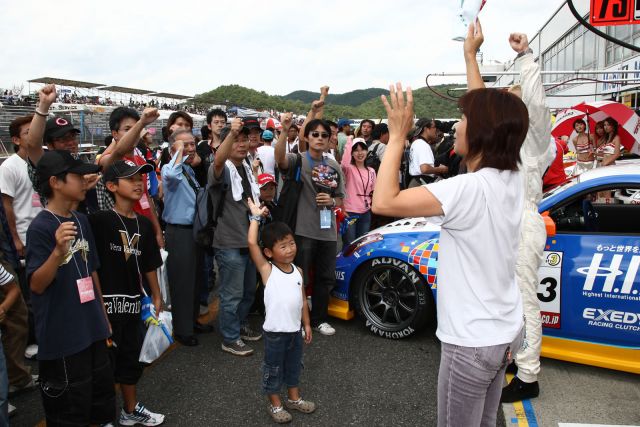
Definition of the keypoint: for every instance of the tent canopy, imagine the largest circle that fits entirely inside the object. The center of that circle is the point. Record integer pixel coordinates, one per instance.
(65, 82)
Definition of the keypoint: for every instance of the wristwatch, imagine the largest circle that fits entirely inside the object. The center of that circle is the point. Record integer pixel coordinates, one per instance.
(524, 52)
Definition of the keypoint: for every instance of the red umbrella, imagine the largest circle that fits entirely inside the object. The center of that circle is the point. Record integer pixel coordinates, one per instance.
(563, 125)
(628, 120)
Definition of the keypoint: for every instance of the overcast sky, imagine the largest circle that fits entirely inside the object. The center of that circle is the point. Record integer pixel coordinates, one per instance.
(277, 46)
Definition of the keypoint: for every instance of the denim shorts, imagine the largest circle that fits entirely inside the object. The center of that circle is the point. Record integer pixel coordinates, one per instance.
(282, 360)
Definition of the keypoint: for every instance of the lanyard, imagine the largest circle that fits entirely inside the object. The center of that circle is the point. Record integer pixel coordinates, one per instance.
(135, 254)
(81, 236)
(364, 194)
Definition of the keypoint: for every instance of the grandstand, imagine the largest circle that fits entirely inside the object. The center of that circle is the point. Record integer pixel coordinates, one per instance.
(89, 106)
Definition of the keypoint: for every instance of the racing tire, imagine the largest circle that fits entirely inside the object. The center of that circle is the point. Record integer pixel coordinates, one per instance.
(392, 297)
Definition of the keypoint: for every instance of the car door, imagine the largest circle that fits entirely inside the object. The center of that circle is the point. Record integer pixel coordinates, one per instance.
(589, 285)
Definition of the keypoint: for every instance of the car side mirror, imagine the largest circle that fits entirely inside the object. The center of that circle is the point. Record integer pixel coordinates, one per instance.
(549, 224)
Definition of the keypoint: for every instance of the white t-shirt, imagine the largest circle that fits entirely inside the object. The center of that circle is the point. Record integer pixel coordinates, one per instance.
(266, 154)
(479, 302)
(419, 154)
(283, 300)
(15, 182)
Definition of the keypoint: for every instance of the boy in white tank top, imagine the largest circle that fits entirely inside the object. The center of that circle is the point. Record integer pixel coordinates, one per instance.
(286, 308)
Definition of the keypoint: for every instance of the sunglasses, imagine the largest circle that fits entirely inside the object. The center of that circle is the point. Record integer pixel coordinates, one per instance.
(317, 134)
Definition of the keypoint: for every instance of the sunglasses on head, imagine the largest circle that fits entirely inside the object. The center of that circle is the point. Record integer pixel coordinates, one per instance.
(317, 134)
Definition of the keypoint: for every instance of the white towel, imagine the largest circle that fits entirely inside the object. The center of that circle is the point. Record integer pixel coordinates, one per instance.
(236, 182)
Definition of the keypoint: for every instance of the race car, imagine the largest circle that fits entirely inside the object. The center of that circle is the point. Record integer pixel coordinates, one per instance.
(589, 290)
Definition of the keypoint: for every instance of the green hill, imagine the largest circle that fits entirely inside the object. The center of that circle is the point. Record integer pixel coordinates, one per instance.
(426, 103)
(353, 98)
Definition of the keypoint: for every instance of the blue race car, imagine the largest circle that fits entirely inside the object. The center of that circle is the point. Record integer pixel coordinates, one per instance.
(589, 289)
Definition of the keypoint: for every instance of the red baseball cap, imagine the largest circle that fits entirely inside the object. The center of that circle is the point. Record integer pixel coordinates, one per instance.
(265, 178)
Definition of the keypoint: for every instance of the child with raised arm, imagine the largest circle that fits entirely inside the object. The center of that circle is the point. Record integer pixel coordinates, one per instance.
(286, 308)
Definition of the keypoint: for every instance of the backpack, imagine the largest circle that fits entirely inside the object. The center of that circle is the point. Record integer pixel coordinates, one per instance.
(373, 160)
(209, 206)
(286, 209)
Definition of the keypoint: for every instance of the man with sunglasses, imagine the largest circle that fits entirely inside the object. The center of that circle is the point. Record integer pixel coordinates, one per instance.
(315, 224)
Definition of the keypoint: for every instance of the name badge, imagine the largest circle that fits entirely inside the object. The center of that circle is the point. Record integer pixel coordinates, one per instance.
(85, 289)
(325, 218)
(35, 201)
(144, 202)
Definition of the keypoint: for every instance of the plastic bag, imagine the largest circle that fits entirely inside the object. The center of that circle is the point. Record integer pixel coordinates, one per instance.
(158, 338)
(163, 279)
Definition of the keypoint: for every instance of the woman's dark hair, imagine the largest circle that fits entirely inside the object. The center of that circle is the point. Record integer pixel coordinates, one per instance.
(165, 133)
(497, 125)
(313, 125)
(273, 232)
(600, 125)
(578, 121)
(205, 132)
(379, 130)
(46, 189)
(120, 114)
(177, 114)
(353, 148)
(614, 132)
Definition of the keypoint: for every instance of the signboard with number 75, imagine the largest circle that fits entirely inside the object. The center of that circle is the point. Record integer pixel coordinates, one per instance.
(614, 12)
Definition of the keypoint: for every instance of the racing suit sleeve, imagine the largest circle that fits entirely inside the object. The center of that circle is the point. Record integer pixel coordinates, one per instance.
(536, 145)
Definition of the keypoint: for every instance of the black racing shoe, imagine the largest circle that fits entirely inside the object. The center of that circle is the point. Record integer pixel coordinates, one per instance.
(518, 390)
(512, 368)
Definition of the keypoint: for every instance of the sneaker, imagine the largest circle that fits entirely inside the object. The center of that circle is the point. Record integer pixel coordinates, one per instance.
(279, 414)
(204, 309)
(13, 390)
(239, 348)
(518, 390)
(141, 416)
(325, 329)
(31, 351)
(248, 334)
(12, 410)
(301, 405)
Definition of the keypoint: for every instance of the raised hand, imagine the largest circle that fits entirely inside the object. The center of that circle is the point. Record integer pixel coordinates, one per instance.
(399, 113)
(474, 39)
(149, 115)
(236, 126)
(286, 120)
(47, 96)
(519, 42)
(324, 91)
(256, 210)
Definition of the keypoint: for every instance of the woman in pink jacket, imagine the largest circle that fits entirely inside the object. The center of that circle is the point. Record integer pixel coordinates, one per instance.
(360, 181)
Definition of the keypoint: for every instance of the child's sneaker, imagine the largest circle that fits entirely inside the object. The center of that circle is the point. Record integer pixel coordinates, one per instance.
(239, 348)
(325, 329)
(301, 405)
(279, 414)
(248, 334)
(141, 416)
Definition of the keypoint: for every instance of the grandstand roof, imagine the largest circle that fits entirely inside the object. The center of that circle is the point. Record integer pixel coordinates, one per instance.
(127, 90)
(65, 82)
(170, 95)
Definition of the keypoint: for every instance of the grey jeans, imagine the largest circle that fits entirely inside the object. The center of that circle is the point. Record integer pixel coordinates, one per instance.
(470, 383)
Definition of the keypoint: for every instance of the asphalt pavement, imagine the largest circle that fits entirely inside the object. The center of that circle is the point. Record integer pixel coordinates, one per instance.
(354, 377)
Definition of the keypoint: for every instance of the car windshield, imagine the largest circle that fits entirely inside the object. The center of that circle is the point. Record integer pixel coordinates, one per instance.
(555, 190)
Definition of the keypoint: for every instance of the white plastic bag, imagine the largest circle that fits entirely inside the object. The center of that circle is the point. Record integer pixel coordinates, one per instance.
(158, 339)
(163, 279)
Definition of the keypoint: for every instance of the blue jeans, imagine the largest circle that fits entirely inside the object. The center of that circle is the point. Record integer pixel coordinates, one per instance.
(4, 390)
(282, 360)
(237, 290)
(360, 228)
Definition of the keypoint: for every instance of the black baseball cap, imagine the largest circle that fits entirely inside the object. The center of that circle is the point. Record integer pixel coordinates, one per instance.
(251, 122)
(56, 162)
(225, 131)
(421, 124)
(58, 126)
(125, 169)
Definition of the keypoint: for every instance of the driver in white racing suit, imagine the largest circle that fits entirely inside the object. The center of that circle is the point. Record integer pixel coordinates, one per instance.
(536, 156)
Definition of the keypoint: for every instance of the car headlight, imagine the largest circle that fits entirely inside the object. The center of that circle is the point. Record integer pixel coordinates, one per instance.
(363, 241)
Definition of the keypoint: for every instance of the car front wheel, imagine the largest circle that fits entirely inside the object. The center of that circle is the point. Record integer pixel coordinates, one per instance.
(392, 297)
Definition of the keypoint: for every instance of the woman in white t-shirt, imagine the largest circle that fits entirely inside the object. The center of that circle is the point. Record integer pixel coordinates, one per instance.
(480, 314)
